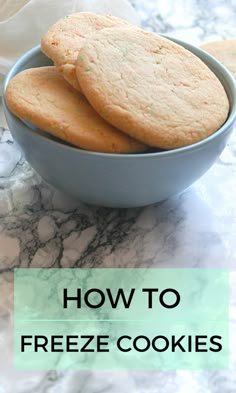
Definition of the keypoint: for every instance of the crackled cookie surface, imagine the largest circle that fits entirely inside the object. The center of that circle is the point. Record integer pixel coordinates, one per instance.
(151, 88)
(42, 97)
(64, 39)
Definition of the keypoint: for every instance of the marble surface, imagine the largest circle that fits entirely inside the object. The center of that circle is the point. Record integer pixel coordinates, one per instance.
(40, 227)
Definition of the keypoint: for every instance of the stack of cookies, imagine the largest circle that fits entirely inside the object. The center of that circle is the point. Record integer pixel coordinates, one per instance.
(115, 88)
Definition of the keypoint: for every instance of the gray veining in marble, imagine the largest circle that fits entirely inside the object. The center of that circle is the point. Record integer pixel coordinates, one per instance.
(40, 227)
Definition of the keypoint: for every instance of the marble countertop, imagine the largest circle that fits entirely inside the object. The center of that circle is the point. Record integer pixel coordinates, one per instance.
(40, 227)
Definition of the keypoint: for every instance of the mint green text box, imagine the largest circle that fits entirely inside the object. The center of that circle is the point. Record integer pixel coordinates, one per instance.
(203, 311)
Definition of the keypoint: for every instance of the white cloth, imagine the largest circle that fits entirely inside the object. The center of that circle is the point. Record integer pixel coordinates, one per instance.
(23, 22)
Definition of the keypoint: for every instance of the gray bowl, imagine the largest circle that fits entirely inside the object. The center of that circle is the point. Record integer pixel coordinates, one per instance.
(119, 180)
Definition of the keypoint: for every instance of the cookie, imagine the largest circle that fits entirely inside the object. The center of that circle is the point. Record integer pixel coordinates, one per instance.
(224, 51)
(42, 97)
(151, 88)
(64, 39)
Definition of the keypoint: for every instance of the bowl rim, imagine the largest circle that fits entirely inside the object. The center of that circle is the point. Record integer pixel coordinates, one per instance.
(160, 154)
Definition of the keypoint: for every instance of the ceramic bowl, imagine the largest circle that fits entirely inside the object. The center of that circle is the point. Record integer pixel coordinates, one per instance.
(112, 180)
